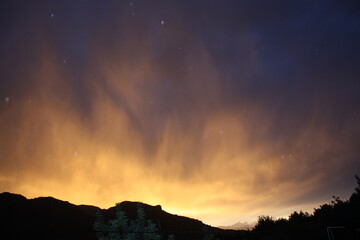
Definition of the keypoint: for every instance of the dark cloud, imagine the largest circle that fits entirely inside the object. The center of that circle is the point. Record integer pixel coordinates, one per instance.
(260, 98)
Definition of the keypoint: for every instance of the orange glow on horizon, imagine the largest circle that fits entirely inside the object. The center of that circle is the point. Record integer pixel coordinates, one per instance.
(162, 133)
(104, 158)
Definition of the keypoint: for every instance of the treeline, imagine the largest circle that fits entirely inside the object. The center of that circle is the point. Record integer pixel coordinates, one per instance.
(339, 219)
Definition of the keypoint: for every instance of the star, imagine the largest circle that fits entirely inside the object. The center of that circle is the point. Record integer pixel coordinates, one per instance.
(52, 15)
(162, 22)
(7, 99)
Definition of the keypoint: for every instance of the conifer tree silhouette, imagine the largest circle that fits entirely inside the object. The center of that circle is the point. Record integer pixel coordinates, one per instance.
(121, 228)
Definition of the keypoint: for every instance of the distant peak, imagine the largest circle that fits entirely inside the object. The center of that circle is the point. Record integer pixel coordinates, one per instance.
(239, 226)
(8, 195)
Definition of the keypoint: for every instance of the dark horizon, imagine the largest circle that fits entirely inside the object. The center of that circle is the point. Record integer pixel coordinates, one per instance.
(212, 109)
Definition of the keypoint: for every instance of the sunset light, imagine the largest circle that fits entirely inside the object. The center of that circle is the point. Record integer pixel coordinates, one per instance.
(221, 111)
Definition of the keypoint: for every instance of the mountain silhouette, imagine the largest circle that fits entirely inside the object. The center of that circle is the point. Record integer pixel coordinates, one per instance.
(50, 218)
(239, 226)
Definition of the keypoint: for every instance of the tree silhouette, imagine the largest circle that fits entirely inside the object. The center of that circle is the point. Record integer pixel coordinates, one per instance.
(121, 228)
(342, 216)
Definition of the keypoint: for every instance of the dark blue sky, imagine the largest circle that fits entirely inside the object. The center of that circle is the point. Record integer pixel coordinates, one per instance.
(265, 90)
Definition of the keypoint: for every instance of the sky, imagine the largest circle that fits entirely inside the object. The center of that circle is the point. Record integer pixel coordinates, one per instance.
(217, 110)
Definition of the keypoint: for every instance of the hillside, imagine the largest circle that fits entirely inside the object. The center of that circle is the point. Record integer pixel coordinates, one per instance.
(50, 218)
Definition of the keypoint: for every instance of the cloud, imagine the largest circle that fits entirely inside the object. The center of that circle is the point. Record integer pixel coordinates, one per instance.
(221, 118)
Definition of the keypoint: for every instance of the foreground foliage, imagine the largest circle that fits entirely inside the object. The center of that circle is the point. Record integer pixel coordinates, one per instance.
(122, 228)
(339, 218)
